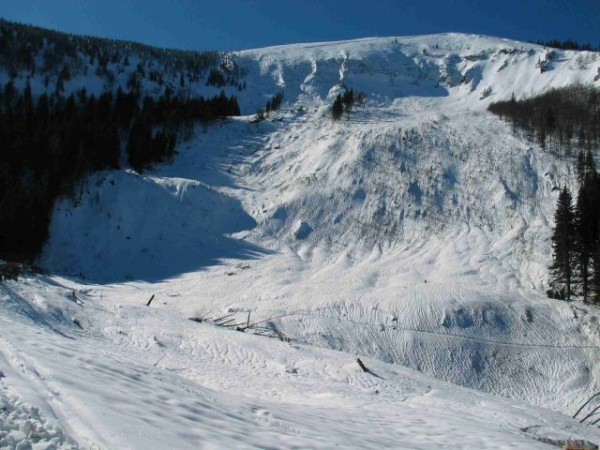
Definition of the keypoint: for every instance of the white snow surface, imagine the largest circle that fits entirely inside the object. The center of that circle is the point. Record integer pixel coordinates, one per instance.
(413, 233)
(145, 377)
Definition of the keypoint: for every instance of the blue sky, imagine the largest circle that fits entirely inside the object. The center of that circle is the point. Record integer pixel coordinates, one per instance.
(239, 24)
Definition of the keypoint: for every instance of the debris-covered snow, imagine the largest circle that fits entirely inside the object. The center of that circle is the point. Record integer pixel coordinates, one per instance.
(23, 428)
(145, 377)
(414, 232)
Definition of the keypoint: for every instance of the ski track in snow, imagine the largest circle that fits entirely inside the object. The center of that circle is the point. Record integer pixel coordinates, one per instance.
(414, 232)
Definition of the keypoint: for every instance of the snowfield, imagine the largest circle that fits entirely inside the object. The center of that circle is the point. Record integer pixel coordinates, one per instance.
(145, 377)
(413, 233)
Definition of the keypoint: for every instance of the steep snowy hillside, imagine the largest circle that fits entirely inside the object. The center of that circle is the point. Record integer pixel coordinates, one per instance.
(414, 231)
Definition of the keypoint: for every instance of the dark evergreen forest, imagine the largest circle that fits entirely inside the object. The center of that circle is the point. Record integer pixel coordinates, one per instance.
(560, 120)
(49, 144)
(345, 102)
(575, 269)
(568, 44)
(50, 139)
(566, 121)
(35, 50)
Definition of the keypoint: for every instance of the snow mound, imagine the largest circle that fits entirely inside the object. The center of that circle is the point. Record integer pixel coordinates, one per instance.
(23, 428)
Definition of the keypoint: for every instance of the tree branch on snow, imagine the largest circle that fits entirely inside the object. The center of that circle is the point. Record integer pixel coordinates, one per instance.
(597, 394)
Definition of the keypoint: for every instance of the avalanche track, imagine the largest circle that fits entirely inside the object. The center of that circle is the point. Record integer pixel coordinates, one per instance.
(413, 232)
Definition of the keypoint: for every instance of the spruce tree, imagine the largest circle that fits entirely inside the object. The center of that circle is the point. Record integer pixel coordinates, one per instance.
(563, 246)
(338, 108)
(348, 100)
(582, 249)
(586, 230)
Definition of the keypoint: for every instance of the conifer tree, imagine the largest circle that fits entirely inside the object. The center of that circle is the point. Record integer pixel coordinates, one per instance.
(337, 108)
(348, 100)
(586, 228)
(563, 246)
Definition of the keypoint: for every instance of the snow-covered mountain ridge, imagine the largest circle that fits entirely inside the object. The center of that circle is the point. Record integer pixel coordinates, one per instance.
(414, 231)
(392, 68)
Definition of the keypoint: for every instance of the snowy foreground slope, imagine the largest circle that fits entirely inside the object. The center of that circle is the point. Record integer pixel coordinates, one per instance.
(414, 232)
(139, 377)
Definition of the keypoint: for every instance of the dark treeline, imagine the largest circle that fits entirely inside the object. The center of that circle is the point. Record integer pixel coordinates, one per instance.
(568, 44)
(345, 102)
(559, 119)
(20, 43)
(221, 76)
(562, 120)
(275, 103)
(575, 268)
(49, 144)
(31, 49)
(272, 105)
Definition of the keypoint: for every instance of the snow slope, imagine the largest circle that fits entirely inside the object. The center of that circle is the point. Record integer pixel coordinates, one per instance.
(145, 377)
(414, 232)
